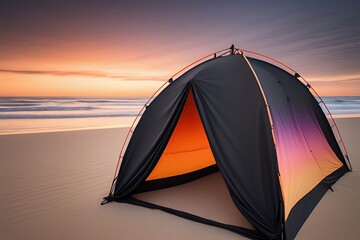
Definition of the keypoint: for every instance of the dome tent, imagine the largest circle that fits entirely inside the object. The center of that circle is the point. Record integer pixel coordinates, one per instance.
(252, 121)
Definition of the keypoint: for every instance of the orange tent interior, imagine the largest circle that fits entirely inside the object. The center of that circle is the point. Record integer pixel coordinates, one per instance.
(188, 149)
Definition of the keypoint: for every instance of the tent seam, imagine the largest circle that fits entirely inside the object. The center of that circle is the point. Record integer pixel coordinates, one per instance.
(274, 140)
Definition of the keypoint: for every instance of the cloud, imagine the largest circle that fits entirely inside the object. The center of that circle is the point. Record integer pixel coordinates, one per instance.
(347, 79)
(90, 74)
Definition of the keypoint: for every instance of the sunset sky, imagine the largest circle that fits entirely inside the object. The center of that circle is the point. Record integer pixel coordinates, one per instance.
(128, 48)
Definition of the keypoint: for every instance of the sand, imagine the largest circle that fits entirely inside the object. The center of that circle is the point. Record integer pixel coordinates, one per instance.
(51, 186)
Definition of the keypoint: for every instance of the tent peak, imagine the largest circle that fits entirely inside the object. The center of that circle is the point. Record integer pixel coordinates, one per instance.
(232, 48)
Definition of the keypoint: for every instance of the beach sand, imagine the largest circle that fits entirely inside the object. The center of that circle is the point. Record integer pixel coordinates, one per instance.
(51, 186)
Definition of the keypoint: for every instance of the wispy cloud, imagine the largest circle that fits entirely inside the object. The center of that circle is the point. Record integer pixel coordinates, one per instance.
(89, 74)
(337, 79)
(151, 77)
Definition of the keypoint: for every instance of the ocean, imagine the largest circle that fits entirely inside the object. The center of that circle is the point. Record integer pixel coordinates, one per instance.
(27, 115)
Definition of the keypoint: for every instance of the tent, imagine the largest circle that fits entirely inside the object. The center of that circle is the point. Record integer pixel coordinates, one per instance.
(254, 122)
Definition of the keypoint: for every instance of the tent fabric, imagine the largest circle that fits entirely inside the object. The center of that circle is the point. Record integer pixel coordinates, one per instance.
(302, 209)
(214, 118)
(240, 137)
(307, 151)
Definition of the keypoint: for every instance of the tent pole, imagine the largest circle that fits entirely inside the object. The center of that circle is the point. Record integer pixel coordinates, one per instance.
(264, 97)
(282, 207)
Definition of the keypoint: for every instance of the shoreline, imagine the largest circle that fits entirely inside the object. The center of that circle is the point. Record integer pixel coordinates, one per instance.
(336, 117)
(63, 130)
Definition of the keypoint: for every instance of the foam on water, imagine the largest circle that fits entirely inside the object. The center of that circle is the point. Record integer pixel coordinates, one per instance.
(26, 115)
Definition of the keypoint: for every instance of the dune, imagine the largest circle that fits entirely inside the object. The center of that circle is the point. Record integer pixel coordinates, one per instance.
(51, 186)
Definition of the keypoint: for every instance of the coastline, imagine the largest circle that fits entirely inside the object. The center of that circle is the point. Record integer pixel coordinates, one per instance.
(62, 130)
(124, 125)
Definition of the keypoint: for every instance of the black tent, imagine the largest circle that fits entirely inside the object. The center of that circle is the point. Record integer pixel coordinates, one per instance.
(255, 123)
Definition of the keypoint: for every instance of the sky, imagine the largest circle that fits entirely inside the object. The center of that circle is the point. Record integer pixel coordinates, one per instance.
(79, 48)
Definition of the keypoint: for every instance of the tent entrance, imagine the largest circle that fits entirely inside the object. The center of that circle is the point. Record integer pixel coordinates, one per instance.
(188, 149)
(188, 157)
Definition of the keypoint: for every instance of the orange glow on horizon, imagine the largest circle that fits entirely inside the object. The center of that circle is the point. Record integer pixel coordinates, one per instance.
(107, 72)
(75, 87)
(342, 85)
(49, 83)
(129, 84)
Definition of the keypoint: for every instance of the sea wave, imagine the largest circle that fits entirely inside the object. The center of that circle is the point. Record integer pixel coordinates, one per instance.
(57, 116)
(55, 108)
(38, 114)
(35, 109)
(343, 105)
